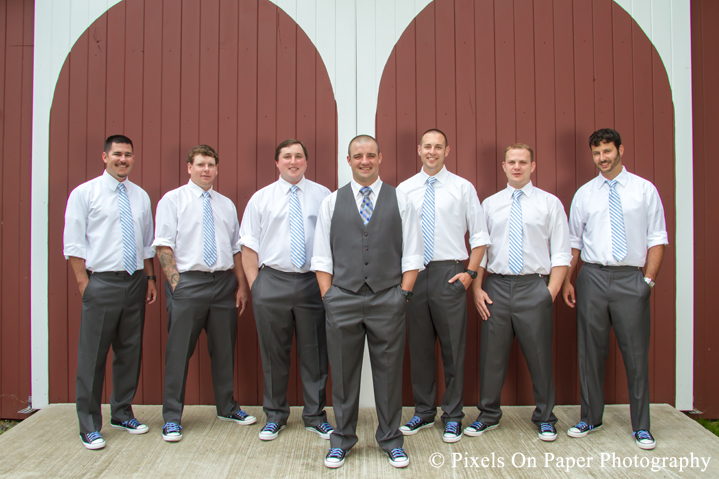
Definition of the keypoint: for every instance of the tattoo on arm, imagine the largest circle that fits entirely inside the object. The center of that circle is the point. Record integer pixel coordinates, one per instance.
(169, 266)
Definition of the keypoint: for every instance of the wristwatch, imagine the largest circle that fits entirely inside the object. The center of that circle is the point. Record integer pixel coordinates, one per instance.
(407, 294)
(649, 281)
(472, 274)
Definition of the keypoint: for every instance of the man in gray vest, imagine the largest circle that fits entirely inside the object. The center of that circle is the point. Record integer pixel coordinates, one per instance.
(367, 253)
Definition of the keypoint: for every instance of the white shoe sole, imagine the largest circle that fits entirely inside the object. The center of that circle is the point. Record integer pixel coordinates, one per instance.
(267, 436)
(546, 438)
(94, 447)
(131, 431)
(322, 435)
(647, 447)
(452, 439)
(334, 465)
(399, 464)
(411, 433)
(468, 431)
(172, 438)
(571, 433)
(246, 422)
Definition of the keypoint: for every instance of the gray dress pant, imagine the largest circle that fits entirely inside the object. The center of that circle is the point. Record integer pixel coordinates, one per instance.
(522, 306)
(200, 301)
(285, 303)
(614, 296)
(380, 317)
(113, 314)
(438, 309)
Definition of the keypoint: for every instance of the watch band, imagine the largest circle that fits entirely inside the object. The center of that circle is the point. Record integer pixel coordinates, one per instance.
(472, 274)
(154, 278)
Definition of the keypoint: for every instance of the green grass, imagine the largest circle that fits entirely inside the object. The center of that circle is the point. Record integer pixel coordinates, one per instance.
(712, 426)
(6, 424)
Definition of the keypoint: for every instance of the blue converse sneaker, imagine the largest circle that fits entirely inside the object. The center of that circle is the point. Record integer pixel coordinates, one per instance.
(452, 432)
(644, 439)
(240, 417)
(398, 458)
(335, 457)
(414, 425)
(478, 428)
(271, 431)
(133, 426)
(324, 430)
(582, 429)
(172, 432)
(547, 432)
(92, 440)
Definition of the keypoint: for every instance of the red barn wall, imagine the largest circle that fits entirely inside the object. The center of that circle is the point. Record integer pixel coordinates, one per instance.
(705, 77)
(16, 67)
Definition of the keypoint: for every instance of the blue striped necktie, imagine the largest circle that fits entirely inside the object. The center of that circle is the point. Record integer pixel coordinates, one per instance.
(209, 247)
(129, 253)
(616, 218)
(297, 230)
(366, 206)
(428, 220)
(516, 262)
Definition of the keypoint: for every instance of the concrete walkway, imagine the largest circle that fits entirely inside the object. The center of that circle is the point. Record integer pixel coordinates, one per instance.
(47, 445)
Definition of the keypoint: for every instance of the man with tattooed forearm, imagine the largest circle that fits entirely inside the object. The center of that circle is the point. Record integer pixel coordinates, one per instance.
(197, 243)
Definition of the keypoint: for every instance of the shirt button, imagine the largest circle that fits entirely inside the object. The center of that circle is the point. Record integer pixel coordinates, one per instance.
(366, 234)
(366, 263)
(366, 248)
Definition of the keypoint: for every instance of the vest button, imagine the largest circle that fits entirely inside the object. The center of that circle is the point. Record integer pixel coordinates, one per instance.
(366, 248)
(366, 234)
(366, 263)
(365, 277)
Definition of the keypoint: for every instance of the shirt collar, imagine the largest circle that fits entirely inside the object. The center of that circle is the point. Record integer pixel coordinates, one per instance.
(111, 181)
(621, 178)
(527, 189)
(374, 186)
(285, 185)
(441, 176)
(197, 190)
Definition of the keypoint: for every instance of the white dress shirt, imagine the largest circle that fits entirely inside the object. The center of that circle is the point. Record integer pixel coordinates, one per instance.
(457, 210)
(590, 228)
(545, 233)
(265, 225)
(180, 226)
(412, 243)
(92, 224)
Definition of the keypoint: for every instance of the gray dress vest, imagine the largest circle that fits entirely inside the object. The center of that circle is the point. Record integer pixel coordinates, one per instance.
(369, 254)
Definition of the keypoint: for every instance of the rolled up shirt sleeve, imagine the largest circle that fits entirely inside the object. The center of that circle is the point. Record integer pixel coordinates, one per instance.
(250, 228)
(148, 233)
(75, 232)
(476, 222)
(656, 223)
(576, 223)
(560, 251)
(166, 228)
(322, 250)
(412, 239)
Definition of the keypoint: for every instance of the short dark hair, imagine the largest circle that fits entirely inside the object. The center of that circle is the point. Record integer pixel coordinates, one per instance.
(204, 150)
(434, 130)
(362, 138)
(285, 144)
(605, 135)
(117, 139)
(519, 146)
